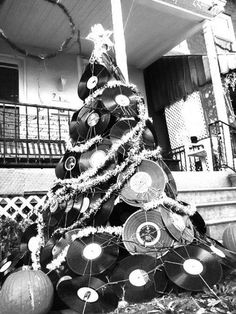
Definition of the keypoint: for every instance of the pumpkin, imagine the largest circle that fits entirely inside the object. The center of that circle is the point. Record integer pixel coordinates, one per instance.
(26, 291)
(229, 237)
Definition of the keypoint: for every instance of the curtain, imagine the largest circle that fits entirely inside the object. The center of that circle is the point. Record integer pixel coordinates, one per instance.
(170, 79)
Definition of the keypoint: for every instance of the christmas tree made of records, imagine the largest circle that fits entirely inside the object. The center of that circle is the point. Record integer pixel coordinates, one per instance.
(112, 228)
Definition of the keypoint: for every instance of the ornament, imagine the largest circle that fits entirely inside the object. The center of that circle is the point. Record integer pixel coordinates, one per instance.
(229, 238)
(26, 291)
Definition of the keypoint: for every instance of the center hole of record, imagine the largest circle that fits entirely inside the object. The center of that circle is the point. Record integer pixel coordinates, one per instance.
(122, 100)
(93, 119)
(70, 163)
(33, 243)
(178, 221)
(92, 251)
(148, 233)
(92, 82)
(5, 266)
(97, 158)
(217, 251)
(138, 277)
(87, 294)
(140, 182)
(193, 266)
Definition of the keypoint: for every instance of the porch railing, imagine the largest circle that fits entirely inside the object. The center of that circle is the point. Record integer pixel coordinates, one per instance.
(32, 135)
(219, 153)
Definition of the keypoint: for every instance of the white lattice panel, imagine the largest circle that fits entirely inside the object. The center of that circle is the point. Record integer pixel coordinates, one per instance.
(20, 207)
(185, 119)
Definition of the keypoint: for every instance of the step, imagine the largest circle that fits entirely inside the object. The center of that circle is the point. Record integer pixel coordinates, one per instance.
(217, 216)
(191, 180)
(199, 196)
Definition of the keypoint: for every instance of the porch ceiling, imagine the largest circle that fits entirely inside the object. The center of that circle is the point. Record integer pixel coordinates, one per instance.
(152, 27)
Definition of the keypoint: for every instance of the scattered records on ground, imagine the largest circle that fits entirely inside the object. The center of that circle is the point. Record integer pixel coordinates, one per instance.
(93, 254)
(179, 226)
(138, 278)
(94, 77)
(221, 253)
(87, 295)
(95, 156)
(192, 268)
(145, 185)
(144, 233)
(120, 101)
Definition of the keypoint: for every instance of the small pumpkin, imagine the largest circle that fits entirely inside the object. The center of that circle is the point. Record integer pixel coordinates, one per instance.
(229, 237)
(26, 291)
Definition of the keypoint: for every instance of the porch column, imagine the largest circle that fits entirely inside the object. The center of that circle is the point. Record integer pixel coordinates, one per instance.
(119, 37)
(217, 87)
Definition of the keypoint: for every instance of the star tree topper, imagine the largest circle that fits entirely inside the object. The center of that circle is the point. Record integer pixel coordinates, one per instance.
(101, 39)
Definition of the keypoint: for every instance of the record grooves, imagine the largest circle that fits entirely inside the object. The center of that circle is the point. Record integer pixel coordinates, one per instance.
(87, 295)
(192, 268)
(94, 77)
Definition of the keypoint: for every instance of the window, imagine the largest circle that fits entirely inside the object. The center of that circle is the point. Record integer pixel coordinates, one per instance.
(9, 82)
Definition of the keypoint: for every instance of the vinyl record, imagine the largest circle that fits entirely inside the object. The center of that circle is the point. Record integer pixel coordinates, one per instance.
(53, 248)
(221, 253)
(94, 77)
(145, 185)
(120, 101)
(150, 139)
(144, 232)
(121, 213)
(9, 264)
(102, 215)
(92, 122)
(171, 187)
(71, 164)
(179, 226)
(94, 157)
(198, 223)
(87, 295)
(29, 238)
(60, 171)
(119, 129)
(93, 254)
(192, 268)
(138, 278)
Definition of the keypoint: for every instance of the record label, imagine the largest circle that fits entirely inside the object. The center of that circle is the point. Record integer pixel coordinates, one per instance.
(148, 233)
(92, 82)
(140, 182)
(92, 251)
(87, 294)
(97, 158)
(193, 266)
(122, 100)
(138, 277)
(70, 163)
(93, 119)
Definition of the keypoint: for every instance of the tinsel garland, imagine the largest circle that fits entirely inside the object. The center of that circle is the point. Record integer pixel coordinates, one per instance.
(85, 232)
(134, 161)
(172, 204)
(81, 148)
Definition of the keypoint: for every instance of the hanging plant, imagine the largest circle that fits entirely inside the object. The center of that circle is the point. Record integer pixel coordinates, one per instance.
(26, 291)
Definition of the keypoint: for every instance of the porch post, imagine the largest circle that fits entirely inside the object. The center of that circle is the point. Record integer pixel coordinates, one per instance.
(119, 37)
(217, 87)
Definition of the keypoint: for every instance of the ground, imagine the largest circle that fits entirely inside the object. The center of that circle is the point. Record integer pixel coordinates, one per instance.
(222, 299)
